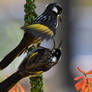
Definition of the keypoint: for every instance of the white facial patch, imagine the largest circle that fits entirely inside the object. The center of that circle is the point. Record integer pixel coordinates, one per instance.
(55, 9)
(54, 59)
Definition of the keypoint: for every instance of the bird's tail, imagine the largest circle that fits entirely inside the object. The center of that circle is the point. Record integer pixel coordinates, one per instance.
(7, 84)
(10, 57)
(25, 42)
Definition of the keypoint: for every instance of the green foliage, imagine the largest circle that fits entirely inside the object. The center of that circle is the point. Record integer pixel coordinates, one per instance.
(30, 15)
(37, 84)
(31, 48)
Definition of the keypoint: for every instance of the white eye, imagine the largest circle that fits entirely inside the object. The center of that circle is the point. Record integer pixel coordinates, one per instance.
(54, 59)
(55, 10)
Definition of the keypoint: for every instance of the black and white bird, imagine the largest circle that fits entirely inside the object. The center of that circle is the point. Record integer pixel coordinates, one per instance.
(43, 27)
(35, 63)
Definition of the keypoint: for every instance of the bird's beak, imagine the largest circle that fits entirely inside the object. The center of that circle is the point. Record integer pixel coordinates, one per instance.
(60, 44)
(60, 17)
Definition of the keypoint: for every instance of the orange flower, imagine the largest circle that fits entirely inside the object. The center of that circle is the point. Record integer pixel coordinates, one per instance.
(17, 88)
(84, 84)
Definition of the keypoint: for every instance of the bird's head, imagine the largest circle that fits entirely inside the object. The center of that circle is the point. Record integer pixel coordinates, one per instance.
(56, 52)
(55, 8)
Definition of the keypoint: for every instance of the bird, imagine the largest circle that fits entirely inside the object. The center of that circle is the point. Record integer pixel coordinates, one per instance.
(36, 62)
(40, 60)
(43, 28)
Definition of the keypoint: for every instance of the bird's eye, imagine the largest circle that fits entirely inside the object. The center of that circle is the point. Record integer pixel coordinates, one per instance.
(55, 10)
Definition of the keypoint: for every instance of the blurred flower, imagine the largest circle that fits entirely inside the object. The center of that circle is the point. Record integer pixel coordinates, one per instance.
(17, 88)
(85, 83)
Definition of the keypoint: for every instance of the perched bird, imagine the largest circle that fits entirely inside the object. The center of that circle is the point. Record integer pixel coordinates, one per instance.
(35, 63)
(44, 27)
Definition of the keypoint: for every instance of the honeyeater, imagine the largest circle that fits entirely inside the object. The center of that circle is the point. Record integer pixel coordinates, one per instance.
(43, 27)
(35, 63)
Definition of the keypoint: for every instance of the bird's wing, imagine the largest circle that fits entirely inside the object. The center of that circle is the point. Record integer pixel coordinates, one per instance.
(39, 30)
(42, 18)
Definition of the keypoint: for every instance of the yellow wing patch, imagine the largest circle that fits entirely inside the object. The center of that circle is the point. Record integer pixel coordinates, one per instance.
(39, 72)
(40, 27)
(32, 55)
